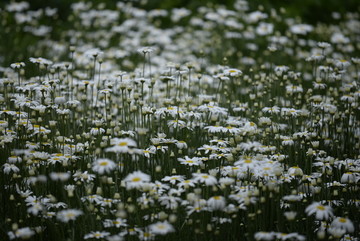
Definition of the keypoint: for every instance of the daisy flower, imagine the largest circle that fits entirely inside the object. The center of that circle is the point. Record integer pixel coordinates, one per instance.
(103, 165)
(205, 178)
(121, 145)
(264, 235)
(195, 161)
(161, 228)
(119, 222)
(68, 215)
(83, 176)
(321, 212)
(10, 168)
(343, 223)
(232, 72)
(136, 180)
(96, 235)
(22, 233)
(173, 179)
(216, 203)
(17, 65)
(59, 176)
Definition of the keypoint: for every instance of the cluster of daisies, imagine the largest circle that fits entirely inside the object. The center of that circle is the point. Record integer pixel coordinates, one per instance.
(230, 124)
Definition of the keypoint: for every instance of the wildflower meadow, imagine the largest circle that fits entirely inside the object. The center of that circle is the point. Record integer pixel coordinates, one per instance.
(213, 122)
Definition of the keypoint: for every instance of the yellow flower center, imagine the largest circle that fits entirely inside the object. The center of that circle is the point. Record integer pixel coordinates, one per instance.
(320, 207)
(342, 220)
(161, 226)
(136, 179)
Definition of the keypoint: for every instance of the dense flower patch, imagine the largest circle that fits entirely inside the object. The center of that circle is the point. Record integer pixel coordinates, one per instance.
(214, 124)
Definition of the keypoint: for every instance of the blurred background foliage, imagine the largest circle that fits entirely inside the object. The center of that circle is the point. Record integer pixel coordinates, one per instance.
(311, 11)
(15, 43)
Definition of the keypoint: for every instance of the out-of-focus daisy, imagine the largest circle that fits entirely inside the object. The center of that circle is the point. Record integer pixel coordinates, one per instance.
(97, 131)
(321, 212)
(96, 235)
(232, 72)
(121, 145)
(343, 223)
(103, 165)
(145, 50)
(173, 179)
(348, 177)
(59, 176)
(17, 65)
(22, 233)
(264, 28)
(347, 237)
(68, 215)
(83, 176)
(301, 28)
(205, 178)
(10, 168)
(264, 235)
(119, 222)
(194, 161)
(216, 203)
(161, 228)
(136, 180)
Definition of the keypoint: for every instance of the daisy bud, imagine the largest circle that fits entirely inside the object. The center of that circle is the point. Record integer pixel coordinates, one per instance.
(320, 234)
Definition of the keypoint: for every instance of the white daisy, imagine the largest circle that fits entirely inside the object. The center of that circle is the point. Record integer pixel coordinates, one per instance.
(103, 165)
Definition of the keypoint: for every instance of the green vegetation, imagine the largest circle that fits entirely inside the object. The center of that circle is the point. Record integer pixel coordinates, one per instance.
(179, 120)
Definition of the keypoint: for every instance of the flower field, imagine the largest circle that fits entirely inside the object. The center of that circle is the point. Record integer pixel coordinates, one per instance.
(208, 123)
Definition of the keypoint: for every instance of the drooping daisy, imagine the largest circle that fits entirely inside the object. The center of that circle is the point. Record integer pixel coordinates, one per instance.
(83, 176)
(103, 165)
(343, 223)
(10, 168)
(216, 203)
(348, 177)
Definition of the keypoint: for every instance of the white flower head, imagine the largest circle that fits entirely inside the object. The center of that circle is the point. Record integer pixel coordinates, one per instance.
(68, 215)
(321, 212)
(136, 180)
(161, 228)
(103, 165)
